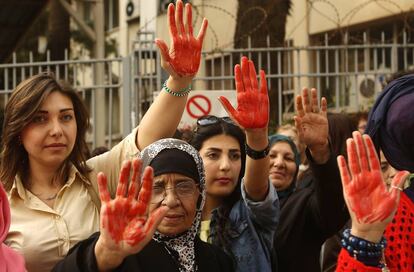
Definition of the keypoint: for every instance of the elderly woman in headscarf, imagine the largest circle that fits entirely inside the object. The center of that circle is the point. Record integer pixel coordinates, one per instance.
(284, 166)
(10, 261)
(312, 213)
(166, 239)
(382, 234)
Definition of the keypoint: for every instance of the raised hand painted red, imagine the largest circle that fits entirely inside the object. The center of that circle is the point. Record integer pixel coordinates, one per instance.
(364, 189)
(252, 103)
(124, 222)
(183, 57)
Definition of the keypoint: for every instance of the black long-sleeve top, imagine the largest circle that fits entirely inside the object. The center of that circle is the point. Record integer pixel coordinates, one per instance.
(153, 257)
(308, 217)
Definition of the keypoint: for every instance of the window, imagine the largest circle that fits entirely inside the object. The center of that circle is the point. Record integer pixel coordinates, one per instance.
(164, 5)
(111, 14)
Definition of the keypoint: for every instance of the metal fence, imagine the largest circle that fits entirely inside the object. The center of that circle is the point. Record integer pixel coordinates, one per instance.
(350, 76)
(110, 95)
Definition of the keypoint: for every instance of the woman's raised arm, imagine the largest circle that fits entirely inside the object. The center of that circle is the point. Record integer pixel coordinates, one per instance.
(252, 115)
(181, 60)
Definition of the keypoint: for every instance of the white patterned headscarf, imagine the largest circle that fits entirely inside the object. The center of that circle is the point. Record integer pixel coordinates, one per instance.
(180, 247)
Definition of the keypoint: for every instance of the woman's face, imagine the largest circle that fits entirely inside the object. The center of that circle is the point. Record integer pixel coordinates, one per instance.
(362, 125)
(388, 172)
(50, 137)
(282, 165)
(181, 195)
(222, 163)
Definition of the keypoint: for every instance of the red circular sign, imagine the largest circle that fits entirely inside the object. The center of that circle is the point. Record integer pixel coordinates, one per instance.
(198, 106)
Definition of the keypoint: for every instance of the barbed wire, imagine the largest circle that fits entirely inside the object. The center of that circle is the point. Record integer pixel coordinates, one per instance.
(217, 47)
(338, 19)
(197, 8)
(251, 31)
(342, 25)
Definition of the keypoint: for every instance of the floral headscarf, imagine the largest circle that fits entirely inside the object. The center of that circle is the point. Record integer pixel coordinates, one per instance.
(180, 247)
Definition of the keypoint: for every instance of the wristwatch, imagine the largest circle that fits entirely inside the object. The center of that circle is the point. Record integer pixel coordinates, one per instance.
(257, 155)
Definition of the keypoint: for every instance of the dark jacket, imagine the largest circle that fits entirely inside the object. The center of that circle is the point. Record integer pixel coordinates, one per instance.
(308, 217)
(153, 257)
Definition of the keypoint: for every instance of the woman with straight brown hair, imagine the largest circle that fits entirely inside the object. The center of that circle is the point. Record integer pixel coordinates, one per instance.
(52, 189)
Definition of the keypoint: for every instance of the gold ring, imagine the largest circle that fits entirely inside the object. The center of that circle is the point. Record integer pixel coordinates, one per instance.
(396, 187)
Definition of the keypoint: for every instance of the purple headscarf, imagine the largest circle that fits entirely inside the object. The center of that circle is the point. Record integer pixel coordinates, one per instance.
(391, 123)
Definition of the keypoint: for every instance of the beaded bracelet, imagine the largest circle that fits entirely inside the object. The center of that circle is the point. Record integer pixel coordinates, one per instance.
(180, 93)
(364, 251)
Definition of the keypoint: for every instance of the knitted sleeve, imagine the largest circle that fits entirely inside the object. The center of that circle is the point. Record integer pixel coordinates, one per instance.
(346, 263)
(399, 253)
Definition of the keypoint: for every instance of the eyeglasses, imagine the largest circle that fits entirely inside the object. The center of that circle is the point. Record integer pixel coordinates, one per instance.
(182, 190)
(211, 120)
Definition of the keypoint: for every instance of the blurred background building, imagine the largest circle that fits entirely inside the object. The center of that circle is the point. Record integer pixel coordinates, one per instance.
(346, 49)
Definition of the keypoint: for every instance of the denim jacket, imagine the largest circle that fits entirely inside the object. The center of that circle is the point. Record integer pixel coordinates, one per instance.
(253, 225)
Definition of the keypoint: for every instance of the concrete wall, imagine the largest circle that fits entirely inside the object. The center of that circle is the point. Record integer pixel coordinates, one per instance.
(306, 19)
(321, 16)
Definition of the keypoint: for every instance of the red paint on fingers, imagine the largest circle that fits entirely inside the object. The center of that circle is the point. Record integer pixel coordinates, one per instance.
(147, 179)
(155, 219)
(185, 52)
(171, 20)
(253, 77)
(179, 10)
(252, 104)
(134, 234)
(346, 178)
(372, 154)
(125, 227)
(134, 184)
(245, 74)
(123, 178)
(189, 13)
(361, 151)
(102, 186)
(352, 157)
(365, 190)
(238, 79)
(263, 83)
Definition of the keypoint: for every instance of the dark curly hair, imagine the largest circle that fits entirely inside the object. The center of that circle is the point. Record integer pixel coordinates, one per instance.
(220, 235)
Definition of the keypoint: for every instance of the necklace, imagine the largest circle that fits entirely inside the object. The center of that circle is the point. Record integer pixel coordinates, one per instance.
(51, 197)
(46, 198)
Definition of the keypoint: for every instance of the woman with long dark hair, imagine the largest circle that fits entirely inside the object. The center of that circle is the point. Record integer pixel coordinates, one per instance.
(241, 211)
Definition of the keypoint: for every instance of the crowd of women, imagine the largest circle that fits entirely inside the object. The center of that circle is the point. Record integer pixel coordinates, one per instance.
(230, 198)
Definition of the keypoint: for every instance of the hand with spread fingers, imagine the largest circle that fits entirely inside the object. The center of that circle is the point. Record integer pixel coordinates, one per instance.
(182, 59)
(312, 124)
(370, 203)
(252, 114)
(125, 226)
(252, 102)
